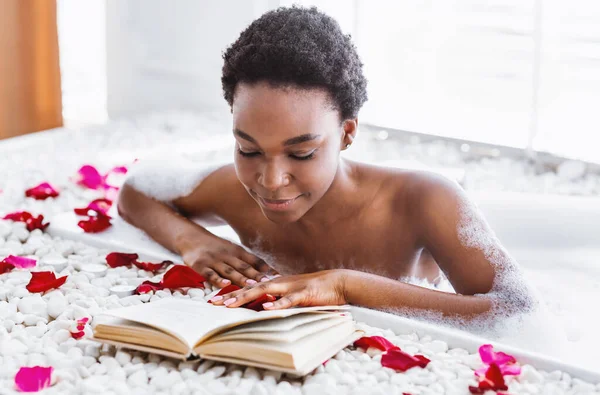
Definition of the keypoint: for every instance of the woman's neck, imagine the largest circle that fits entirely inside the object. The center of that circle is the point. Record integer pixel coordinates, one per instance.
(343, 200)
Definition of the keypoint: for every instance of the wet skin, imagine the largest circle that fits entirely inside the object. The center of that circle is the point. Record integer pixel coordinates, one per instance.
(291, 198)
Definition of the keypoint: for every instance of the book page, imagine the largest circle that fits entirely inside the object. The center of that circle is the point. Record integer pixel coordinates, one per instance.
(283, 324)
(277, 335)
(191, 321)
(286, 354)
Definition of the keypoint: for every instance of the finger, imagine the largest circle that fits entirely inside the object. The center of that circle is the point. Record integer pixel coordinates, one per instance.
(253, 292)
(285, 302)
(213, 277)
(245, 268)
(239, 297)
(227, 271)
(258, 263)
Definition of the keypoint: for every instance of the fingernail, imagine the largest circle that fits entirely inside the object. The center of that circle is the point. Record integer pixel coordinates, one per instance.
(250, 281)
(277, 275)
(216, 298)
(264, 279)
(229, 301)
(225, 281)
(267, 305)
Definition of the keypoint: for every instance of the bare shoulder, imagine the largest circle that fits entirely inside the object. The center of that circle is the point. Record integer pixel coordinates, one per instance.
(209, 201)
(412, 193)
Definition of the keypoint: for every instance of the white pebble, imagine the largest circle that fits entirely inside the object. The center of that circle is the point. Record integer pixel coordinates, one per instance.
(32, 319)
(56, 305)
(530, 374)
(58, 263)
(61, 336)
(7, 309)
(12, 347)
(33, 305)
(122, 290)
(123, 357)
(195, 292)
(436, 346)
(96, 270)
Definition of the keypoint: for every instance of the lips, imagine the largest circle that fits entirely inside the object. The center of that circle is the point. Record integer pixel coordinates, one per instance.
(276, 201)
(276, 204)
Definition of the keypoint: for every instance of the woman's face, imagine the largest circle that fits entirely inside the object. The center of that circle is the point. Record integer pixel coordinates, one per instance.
(287, 147)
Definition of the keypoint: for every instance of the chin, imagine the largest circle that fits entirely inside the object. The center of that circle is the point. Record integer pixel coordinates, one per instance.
(281, 218)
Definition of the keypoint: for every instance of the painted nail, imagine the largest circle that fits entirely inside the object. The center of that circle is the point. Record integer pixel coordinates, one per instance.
(229, 301)
(250, 281)
(267, 305)
(264, 279)
(216, 298)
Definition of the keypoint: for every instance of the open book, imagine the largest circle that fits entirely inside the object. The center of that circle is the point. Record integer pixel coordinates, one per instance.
(292, 340)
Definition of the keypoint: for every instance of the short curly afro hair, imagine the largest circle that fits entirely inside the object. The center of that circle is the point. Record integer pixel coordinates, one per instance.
(301, 48)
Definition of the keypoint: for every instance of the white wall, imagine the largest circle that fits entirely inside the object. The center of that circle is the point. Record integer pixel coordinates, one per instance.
(82, 51)
(164, 55)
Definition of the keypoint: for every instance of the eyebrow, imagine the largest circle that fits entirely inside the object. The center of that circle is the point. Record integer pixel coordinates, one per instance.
(294, 140)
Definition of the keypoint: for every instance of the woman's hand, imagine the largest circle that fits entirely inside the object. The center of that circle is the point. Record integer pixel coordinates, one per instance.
(221, 262)
(311, 289)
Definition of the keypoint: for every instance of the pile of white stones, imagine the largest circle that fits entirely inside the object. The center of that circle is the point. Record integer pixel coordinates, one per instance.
(36, 328)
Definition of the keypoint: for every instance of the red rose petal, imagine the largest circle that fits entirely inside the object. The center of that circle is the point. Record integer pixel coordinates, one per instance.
(118, 170)
(20, 262)
(5, 267)
(116, 259)
(257, 304)
(226, 290)
(399, 360)
(148, 286)
(98, 206)
(422, 360)
(488, 356)
(18, 216)
(33, 379)
(180, 276)
(89, 177)
(42, 191)
(374, 341)
(493, 381)
(507, 363)
(26, 217)
(151, 267)
(36, 223)
(95, 224)
(43, 281)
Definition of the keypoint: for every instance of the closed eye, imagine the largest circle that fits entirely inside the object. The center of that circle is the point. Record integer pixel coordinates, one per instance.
(295, 157)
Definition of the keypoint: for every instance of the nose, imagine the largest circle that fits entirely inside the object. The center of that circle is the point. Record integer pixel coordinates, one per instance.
(273, 176)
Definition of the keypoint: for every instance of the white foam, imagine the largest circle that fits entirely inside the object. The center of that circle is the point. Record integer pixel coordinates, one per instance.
(518, 316)
(167, 179)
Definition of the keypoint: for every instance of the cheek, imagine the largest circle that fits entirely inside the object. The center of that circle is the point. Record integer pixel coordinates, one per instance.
(244, 170)
(321, 172)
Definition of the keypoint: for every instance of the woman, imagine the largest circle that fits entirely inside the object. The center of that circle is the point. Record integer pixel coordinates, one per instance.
(340, 231)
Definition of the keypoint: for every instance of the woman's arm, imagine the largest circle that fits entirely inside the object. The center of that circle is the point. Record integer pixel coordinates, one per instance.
(159, 197)
(454, 231)
(158, 220)
(382, 293)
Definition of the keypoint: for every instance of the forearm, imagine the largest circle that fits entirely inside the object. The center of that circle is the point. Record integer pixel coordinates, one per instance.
(161, 222)
(369, 290)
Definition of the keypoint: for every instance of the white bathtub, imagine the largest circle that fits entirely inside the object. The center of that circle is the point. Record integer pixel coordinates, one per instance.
(555, 238)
